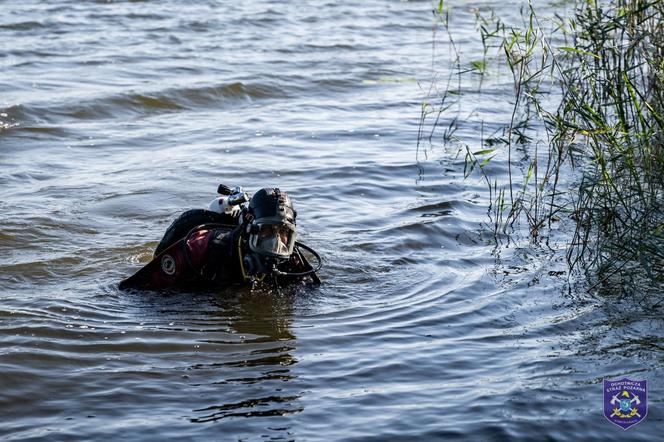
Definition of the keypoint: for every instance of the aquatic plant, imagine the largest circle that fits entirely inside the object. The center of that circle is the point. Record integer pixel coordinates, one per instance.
(614, 101)
(589, 88)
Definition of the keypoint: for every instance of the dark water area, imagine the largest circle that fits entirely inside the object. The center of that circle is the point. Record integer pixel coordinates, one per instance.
(117, 116)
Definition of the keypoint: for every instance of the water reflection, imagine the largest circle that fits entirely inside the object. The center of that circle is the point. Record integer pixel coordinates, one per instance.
(263, 366)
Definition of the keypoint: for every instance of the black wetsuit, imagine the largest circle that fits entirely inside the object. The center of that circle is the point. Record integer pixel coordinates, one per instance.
(223, 261)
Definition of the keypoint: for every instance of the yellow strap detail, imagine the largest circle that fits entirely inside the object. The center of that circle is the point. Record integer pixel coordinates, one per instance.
(239, 253)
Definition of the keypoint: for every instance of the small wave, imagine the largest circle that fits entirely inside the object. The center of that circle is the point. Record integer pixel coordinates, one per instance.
(23, 26)
(170, 100)
(212, 94)
(42, 268)
(7, 126)
(260, 407)
(13, 114)
(41, 131)
(335, 84)
(144, 16)
(443, 208)
(146, 102)
(320, 47)
(336, 46)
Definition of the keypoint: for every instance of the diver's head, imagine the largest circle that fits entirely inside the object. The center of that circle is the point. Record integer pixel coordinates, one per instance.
(272, 229)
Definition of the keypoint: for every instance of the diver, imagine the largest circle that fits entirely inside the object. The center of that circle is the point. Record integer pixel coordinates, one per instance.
(236, 240)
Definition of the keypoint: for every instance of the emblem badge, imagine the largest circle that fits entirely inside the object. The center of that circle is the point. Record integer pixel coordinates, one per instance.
(625, 401)
(168, 264)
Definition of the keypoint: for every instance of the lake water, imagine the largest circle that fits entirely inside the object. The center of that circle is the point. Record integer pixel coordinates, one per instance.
(117, 116)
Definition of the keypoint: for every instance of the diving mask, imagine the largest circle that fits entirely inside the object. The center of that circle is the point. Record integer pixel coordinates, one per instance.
(272, 238)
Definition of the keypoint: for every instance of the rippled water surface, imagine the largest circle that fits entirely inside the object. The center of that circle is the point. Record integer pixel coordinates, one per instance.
(117, 116)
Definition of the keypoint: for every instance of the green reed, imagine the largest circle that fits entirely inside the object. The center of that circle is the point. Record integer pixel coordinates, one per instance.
(606, 68)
